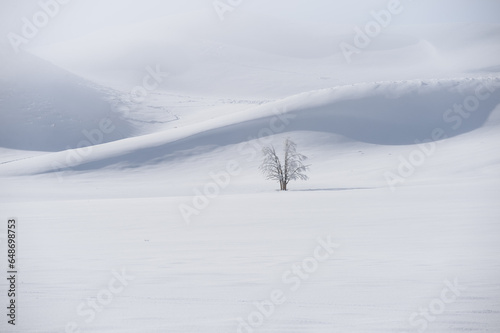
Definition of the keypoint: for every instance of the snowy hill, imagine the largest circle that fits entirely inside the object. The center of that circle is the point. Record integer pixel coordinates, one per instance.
(45, 108)
(386, 113)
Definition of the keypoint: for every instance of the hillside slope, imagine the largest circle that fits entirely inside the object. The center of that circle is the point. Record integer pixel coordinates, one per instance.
(45, 108)
(390, 113)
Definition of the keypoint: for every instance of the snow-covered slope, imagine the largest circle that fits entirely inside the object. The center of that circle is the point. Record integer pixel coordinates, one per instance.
(385, 113)
(45, 108)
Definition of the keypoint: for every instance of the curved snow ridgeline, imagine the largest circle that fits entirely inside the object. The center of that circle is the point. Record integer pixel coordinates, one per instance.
(380, 113)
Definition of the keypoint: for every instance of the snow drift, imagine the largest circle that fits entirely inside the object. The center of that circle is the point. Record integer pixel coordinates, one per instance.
(385, 113)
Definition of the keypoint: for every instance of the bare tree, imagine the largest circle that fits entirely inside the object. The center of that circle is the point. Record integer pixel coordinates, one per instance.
(292, 167)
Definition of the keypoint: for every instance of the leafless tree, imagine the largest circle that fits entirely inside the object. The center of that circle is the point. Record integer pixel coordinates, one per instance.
(292, 167)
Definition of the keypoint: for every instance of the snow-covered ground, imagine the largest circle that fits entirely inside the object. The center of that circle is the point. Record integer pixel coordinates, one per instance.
(134, 175)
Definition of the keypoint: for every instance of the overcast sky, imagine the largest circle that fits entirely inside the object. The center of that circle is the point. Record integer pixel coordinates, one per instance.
(80, 17)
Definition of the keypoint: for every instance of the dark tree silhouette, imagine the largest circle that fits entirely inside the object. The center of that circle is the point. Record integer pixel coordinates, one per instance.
(291, 168)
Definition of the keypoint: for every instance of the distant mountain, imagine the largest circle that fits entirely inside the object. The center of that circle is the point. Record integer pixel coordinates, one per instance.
(46, 108)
